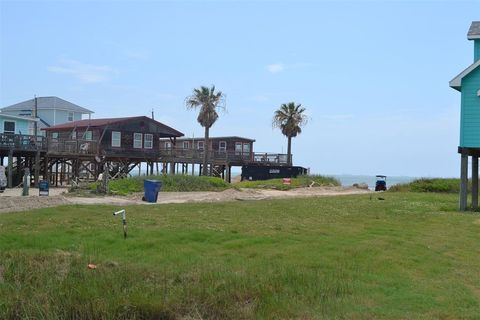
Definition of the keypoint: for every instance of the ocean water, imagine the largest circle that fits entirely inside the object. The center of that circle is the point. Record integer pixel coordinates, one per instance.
(348, 180)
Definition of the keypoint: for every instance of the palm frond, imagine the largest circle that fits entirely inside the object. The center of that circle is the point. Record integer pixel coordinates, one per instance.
(208, 101)
(290, 119)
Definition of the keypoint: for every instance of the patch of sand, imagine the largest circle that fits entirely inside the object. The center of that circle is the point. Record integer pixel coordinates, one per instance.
(13, 201)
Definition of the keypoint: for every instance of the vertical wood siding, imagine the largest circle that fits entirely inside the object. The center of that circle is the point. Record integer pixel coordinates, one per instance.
(470, 114)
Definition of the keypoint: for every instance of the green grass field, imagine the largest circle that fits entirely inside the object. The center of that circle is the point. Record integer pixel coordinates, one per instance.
(410, 256)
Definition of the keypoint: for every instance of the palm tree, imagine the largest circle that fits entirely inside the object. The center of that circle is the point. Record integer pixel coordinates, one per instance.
(290, 118)
(208, 101)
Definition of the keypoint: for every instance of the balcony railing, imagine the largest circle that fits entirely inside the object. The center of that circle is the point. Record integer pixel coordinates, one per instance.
(230, 156)
(78, 146)
(22, 142)
(90, 147)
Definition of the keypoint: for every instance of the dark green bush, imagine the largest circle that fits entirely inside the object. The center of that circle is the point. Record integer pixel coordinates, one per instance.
(299, 182)
(169, 183)
(440, 185)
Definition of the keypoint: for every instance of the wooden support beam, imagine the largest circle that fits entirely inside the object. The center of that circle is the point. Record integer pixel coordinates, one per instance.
(474, 182)
(227, 173)
(10, 168)
(463, 182)
(37, 169)
(56, 174)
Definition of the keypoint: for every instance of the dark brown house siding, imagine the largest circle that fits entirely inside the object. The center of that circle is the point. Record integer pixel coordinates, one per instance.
(147, 131)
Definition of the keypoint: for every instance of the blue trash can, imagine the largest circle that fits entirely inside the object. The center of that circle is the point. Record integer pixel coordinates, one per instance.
(151, 189)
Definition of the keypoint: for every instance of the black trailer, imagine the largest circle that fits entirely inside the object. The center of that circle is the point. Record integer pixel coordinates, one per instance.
(259, 172)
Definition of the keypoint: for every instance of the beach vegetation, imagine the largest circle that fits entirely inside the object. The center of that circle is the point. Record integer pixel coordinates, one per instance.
(441, 185)
(301, 181)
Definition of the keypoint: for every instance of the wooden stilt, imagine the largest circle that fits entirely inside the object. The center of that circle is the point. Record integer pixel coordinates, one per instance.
(463, 183)
(10, 169)
(227, 173)
(37, 168)
(474, 182)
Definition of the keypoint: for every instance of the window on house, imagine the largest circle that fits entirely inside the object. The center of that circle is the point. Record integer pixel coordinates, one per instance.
(148, 141)
(137, 140)
(9, 127)
(222, 146)
(74, 135)
(185, 145)
(246, 148)
(116, 139)
(238, 147)
(88, 135)
(70, 116)
(200, 145)
(55, 135)
(168, 145)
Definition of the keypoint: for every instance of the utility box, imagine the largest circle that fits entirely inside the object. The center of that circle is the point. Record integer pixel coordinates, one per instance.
(259, 172)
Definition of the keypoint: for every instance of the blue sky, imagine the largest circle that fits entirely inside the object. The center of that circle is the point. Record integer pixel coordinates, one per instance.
(373, 75)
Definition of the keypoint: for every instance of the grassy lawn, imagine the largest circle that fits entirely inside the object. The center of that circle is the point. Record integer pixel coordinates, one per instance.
(411, 256)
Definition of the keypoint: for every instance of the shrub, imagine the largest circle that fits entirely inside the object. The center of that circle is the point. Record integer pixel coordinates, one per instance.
(169, 183)
(299, 182)
(440, 185)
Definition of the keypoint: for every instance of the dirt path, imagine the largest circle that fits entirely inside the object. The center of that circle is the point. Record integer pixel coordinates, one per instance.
(12, 200)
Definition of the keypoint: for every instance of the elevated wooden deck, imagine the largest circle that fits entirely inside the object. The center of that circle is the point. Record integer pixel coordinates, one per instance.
(20, 143)
(87, 149)
(60, 160)
(231, 158)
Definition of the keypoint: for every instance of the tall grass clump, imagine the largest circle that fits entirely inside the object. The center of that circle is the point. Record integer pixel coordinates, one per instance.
(299, 182)
(169, 183)
(440, 185)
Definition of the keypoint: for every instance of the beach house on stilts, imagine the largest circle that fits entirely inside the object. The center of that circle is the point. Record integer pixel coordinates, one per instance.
(468, 83)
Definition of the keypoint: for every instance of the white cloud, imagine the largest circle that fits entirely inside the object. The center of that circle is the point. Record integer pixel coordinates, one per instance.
(86, 73)
(279, 67)
(275, 67)
(336, 116)
(260, 98)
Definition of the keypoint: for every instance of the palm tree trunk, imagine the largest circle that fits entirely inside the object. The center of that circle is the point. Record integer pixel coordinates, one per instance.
(289, 151)
(206, 150)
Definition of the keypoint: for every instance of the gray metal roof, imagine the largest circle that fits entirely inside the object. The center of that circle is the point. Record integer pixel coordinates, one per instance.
(215, 138)
(9, 116)
(47, 103)
(474, 32)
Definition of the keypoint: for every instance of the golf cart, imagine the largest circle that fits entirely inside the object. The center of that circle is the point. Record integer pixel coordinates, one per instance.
(381, 184)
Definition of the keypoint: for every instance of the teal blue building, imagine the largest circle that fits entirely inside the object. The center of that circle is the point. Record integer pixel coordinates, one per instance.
(468, 83)
(16, 125)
